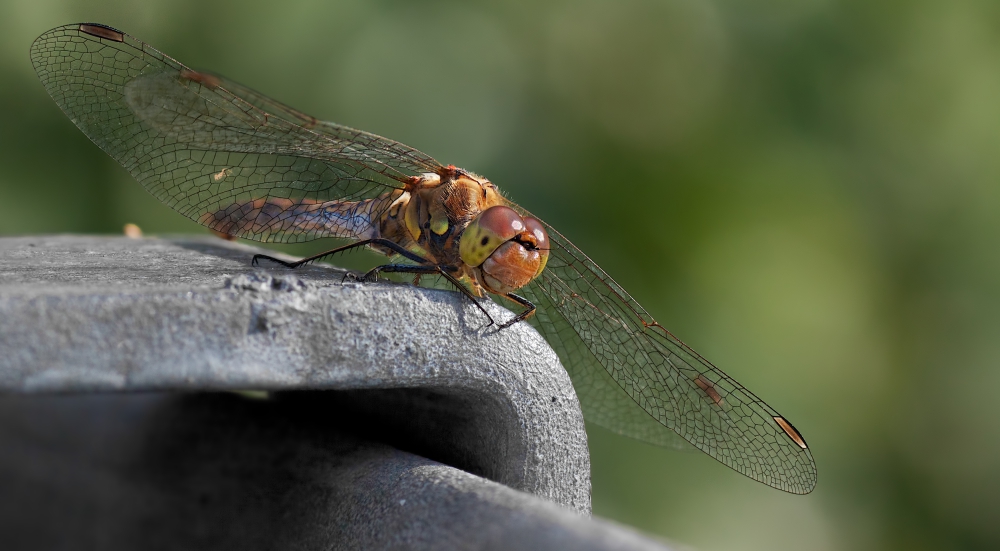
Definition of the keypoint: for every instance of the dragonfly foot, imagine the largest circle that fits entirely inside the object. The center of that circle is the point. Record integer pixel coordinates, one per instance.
(507, 324)
(367, 277)
(255, 261)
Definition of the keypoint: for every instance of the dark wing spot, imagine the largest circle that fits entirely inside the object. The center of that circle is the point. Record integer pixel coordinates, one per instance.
(204, 79)
(103, 31)
(791, 432)
(709, 389)
(485, 240)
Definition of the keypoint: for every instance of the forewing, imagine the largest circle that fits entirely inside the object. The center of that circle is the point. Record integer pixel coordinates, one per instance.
(389, 152)
(635, 378)
(247, 166)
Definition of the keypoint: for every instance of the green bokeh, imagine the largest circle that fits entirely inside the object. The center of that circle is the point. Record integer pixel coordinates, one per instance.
(805, 191)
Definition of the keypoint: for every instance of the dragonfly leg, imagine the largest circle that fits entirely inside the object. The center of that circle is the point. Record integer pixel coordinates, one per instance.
(384, 242)
(371, 276)
(419, 270)
(423, 266)
(530, 311)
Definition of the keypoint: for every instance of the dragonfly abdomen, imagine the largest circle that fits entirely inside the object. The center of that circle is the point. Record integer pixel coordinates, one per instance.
(275, 218)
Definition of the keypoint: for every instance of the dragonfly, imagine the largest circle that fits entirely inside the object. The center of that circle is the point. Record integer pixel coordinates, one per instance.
(247, 166)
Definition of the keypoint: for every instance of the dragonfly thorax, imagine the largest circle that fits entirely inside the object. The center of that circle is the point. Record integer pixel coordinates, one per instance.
(430, 214)
(460, 220)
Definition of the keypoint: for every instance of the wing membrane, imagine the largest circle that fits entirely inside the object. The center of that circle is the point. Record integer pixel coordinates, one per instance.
(215, 151)
(389, 152)
(610, 344)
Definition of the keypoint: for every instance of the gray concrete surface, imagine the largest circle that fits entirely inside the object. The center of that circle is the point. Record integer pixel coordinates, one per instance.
(85, 314)
(383, 395)
(215, 471)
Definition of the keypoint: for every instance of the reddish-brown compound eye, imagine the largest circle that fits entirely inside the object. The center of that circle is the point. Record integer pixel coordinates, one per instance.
(492, 228)
(510, 267)
(534, 226)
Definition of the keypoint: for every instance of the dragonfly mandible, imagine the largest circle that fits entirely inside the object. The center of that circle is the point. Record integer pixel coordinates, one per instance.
(247, 166)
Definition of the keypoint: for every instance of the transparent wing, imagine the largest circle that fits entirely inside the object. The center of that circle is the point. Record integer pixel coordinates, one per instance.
(635, 378)
(217, 152)
(389, 152)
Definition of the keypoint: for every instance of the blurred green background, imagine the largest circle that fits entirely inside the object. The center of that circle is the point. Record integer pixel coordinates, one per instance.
(806, 191)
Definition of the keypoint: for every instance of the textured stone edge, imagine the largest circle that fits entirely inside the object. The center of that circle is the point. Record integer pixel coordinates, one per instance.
(273, 330)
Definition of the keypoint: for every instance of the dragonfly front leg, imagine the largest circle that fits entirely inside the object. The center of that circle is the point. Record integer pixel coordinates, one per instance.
(530, 310)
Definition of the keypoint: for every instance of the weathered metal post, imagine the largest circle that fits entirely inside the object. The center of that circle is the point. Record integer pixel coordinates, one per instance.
(396, 417)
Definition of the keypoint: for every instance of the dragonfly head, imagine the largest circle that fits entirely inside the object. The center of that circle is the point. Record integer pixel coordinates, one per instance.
(508, 251)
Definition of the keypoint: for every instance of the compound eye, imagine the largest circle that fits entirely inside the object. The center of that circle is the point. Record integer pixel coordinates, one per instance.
(537, 230)
(492, 228)
(510, 267)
